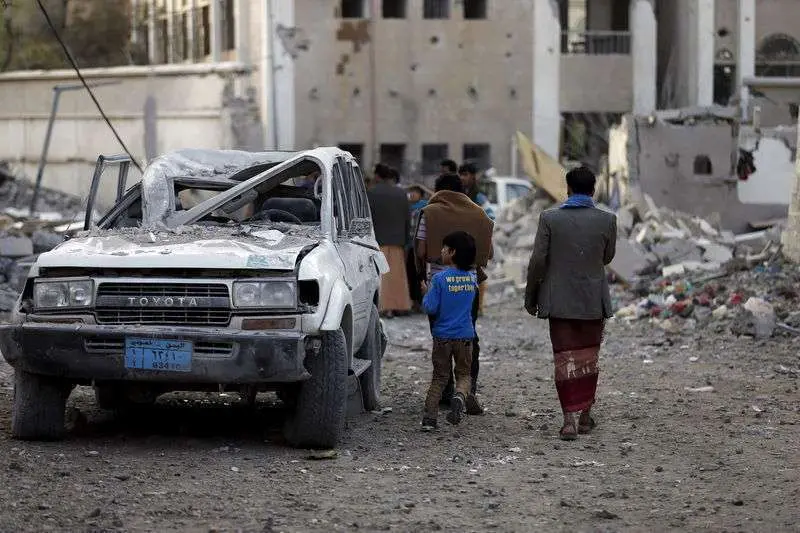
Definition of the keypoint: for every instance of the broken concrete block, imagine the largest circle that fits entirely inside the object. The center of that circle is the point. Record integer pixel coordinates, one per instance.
(755, 241)
(15, 246)
(629, 261)
(717, 253)
(677, 251)
(44, 241)
(755, 319)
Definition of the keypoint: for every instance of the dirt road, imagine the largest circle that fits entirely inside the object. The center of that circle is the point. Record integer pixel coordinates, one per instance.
(670, 453)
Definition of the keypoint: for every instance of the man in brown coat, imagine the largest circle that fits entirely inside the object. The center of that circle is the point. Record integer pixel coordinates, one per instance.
(449, 210)
(567, 285)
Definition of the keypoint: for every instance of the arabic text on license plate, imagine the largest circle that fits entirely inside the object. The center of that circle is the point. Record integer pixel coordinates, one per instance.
(158, 354)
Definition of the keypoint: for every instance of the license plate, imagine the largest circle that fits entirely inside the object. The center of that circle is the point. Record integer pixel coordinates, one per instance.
(158, 354)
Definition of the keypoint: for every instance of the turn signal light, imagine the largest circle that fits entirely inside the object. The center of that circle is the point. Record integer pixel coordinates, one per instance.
(268, 323)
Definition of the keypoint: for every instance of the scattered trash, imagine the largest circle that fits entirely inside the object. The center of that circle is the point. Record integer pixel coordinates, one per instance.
(323, 455)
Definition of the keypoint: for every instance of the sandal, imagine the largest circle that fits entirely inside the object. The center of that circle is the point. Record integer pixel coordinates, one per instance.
(568, 432)
(583, 429)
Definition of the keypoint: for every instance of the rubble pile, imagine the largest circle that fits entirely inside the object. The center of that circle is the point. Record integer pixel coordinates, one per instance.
(678, 270)
(22, 236)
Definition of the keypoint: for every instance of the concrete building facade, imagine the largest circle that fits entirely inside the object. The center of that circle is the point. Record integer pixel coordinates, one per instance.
(413, 81)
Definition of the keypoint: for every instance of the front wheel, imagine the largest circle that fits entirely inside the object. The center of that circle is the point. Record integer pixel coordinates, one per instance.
(319, 414)
(39, 406)
(372, 351)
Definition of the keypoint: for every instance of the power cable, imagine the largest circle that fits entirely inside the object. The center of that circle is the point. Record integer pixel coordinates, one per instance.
(86, 85)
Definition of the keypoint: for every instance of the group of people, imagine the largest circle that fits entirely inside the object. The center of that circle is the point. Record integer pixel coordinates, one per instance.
(396, 231)
(447, 243)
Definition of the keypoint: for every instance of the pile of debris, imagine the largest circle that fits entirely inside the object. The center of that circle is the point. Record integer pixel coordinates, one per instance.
(677, 270)
(22, 236)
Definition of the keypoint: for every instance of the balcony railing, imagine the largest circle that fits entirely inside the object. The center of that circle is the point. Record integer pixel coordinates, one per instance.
(596, 42)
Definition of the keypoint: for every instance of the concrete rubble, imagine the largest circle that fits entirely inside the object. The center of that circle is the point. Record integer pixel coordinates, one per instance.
(680, 271)
(22, 236)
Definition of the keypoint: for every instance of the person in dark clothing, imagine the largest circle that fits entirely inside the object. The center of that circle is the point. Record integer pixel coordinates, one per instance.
(416, 201)
(451, 210)
(448, 166)
(391, 219)
(567, 285)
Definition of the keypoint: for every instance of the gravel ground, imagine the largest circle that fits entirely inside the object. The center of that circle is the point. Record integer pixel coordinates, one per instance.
(664, 457)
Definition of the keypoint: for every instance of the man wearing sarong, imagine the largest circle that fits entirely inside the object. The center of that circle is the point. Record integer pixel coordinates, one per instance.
(567, 285)
(391, 220)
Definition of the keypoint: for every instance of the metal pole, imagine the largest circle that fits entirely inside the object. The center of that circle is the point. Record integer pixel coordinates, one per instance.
(273, 85)
(46, 148)
(57, 90)
(373, 91)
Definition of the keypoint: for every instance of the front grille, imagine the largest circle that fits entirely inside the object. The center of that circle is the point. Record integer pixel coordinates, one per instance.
(163, 290)
(116, 346)
(163, 304)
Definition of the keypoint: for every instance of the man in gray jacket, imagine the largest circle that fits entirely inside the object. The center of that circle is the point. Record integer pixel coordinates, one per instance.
(567, 284)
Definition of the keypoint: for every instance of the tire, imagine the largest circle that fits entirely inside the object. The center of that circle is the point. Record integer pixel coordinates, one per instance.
(319, 415)
(38, 411)
(372, 351)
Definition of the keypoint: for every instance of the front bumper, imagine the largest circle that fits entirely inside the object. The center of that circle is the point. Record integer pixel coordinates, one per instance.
(93, 352)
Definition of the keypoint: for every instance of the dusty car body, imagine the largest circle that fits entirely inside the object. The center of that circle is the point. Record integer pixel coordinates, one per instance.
(219, 270)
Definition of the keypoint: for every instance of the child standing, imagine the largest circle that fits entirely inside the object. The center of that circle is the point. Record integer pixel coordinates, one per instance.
(448, 301)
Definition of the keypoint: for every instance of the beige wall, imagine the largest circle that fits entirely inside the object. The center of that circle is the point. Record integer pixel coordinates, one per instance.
(190, 113)
(596, 83)
(423, 87)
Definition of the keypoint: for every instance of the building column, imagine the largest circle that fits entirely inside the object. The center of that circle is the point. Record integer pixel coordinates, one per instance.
(547, 76)
(216, 31)
(746, 52)
(644, 47)
(242, 14)
(191, 9)
(791, 237)
(277, 76)
(704, 53)
(170, 37)
(152, 42)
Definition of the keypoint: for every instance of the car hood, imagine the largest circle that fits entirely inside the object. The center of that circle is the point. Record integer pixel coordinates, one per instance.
(262, 249)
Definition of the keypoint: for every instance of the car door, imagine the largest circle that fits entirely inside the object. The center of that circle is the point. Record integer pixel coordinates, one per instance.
(350, 252)
(374, 259)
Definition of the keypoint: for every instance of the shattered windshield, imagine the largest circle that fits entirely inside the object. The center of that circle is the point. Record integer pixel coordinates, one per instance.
(288, 197)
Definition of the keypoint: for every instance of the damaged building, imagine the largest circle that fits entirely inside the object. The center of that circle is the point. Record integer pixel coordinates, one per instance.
(702, 161)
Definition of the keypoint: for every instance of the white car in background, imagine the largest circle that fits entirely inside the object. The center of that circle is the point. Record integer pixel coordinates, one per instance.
(502, 190)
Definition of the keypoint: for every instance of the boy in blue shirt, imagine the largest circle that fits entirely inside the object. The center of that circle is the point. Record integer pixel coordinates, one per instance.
(448, 301)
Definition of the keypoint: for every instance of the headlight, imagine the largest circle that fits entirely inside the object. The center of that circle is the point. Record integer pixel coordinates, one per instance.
(265, 294)
(63, 294)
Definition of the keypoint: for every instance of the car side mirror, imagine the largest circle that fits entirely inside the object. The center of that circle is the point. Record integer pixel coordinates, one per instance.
(361, 227)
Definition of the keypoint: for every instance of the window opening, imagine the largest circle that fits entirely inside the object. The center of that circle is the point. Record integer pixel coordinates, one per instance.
(480, 154)
(436, 9)
(352, 9)
(393, 155)
(394, 9)
(432, 155)
(474, 9)
(702, 166)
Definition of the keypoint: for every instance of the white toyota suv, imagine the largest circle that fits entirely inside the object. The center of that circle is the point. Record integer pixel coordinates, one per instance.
(220, 270)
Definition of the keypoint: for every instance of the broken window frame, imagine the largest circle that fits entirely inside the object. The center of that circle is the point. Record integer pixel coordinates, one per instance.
(484, 160)
(274, 174)
(702, 165)
(343, 209)
(103, 162)
(431, 163)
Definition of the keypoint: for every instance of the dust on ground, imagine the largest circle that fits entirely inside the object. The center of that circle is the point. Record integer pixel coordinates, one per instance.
(697, 432)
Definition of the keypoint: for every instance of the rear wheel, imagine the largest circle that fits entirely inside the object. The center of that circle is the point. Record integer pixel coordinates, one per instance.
(372, 351)
(39, 406)
(319, 413)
